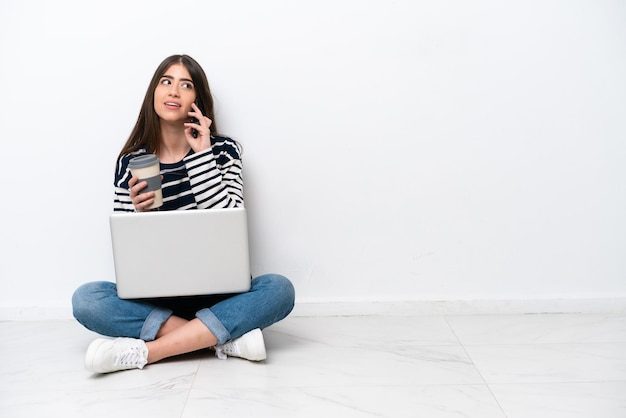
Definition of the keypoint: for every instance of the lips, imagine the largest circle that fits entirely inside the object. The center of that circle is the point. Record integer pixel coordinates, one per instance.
(172, 105)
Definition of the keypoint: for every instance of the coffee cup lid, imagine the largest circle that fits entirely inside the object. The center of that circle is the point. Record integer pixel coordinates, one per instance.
(143, 161)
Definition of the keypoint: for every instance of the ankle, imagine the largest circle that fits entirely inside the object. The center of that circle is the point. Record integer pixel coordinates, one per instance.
(153, 356)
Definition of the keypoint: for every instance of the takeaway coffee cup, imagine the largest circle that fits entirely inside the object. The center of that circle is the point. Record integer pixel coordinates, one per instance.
(147, 168)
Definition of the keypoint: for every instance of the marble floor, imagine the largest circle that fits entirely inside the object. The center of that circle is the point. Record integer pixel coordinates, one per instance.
(552, 365)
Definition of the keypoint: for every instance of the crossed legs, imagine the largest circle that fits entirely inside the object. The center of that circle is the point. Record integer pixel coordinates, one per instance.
(179, 336)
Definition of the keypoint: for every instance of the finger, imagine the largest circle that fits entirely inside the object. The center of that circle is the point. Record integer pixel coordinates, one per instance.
(143, 200)
(202, 130)
(134, 189)
(131, 183)
(203, 126)
(196, 109)
(195, 112)
(189, 131)
(146, 203)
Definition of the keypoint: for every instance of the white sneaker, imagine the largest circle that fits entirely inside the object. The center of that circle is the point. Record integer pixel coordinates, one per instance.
(249, 346)
(106, 355)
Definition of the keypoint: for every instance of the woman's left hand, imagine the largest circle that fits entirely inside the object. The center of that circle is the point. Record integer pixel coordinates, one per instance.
(203, 138)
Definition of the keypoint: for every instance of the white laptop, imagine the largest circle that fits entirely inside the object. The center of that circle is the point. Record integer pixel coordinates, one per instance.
(180, 253)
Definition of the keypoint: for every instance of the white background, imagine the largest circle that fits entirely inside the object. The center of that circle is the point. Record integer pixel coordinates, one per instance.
(394, 150)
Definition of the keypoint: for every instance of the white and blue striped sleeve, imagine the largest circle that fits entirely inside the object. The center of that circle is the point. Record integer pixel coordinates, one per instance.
(216, 177)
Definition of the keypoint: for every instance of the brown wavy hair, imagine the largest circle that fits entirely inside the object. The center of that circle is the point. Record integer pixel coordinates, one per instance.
(147, 131)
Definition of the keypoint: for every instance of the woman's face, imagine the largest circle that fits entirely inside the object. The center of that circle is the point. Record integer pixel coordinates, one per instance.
(174, 94)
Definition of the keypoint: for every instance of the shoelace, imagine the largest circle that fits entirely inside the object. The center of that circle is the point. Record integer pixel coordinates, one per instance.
(222, 351)
(130, 357)
(219, 353)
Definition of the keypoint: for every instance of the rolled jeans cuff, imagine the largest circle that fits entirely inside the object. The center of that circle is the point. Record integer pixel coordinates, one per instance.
(214, 325)
(153, 323)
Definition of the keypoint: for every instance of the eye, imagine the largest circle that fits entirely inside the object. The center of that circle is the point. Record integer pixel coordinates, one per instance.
(166, 81)
(187, 86)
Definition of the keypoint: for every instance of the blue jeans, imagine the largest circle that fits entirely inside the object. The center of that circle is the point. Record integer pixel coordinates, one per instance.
(97, 306)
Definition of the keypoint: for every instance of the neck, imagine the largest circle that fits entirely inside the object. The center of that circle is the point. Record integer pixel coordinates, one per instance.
(174, 146)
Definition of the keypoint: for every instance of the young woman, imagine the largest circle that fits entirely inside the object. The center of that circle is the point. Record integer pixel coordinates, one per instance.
(200, 170)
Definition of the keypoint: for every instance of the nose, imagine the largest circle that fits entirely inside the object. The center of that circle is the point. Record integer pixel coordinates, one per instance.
(173, 90)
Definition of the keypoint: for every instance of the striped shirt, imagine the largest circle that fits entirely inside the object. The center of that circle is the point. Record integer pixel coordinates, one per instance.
(203, 180)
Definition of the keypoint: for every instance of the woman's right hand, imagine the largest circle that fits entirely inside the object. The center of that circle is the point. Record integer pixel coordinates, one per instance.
(141, 201)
